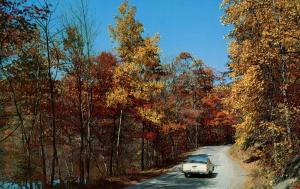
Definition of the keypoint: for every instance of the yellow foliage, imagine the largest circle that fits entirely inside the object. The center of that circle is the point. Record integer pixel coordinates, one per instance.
(117, 97)
(150, 115)
(133, 81)
(263, 45)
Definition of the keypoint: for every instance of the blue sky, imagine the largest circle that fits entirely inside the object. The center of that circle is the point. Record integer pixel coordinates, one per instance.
(184, 25)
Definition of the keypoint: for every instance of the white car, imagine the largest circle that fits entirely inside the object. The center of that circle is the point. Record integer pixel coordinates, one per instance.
(197, 164)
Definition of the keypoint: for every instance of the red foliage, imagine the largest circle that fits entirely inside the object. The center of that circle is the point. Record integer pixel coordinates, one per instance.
(150, 135)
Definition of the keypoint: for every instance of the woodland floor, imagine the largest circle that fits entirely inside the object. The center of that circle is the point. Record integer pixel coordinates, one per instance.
(119, 182)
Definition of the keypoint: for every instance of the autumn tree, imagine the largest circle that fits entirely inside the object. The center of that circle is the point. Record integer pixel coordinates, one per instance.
(102, 74)
(78, 116)
(264, 62)
(216, 119)
(77, 70)
(81, 20)
(134, 82)
(191, 81)
(191, 104)
(22, 71)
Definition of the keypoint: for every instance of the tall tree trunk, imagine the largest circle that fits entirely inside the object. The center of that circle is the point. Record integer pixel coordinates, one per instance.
(52, 102)
(196, 136)
(29, 168)
(270, 95)
(82, 134)
(281, 51)
(43, 159)
(147, 153)
(194, 100)
(86, 32)
(72, 155)
(172, 145)
(112, 148)
(142, 147)
(97, 164)
(88, 137)
(118, 139)
(186, 139)
(81, 158)
(59, 172)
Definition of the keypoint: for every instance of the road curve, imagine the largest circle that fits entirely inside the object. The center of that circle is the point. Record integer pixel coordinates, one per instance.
(227, 175)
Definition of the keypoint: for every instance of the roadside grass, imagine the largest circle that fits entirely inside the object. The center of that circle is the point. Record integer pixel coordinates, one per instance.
(121, 181)
(258, 176)
(118, 182)
(130, 179)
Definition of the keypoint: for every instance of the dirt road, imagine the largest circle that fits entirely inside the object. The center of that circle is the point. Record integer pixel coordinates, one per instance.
(227, 175)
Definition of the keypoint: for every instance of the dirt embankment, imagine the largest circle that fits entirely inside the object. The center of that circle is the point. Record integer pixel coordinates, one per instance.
(258, 175)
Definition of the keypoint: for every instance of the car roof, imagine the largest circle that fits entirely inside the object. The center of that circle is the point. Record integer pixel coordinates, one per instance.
(198, 157)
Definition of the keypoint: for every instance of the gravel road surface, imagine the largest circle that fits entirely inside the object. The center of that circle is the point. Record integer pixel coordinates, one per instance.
(227, 174)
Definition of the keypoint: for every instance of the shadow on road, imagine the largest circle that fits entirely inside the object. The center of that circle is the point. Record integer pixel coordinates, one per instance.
(214, 175)
(176, 181)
